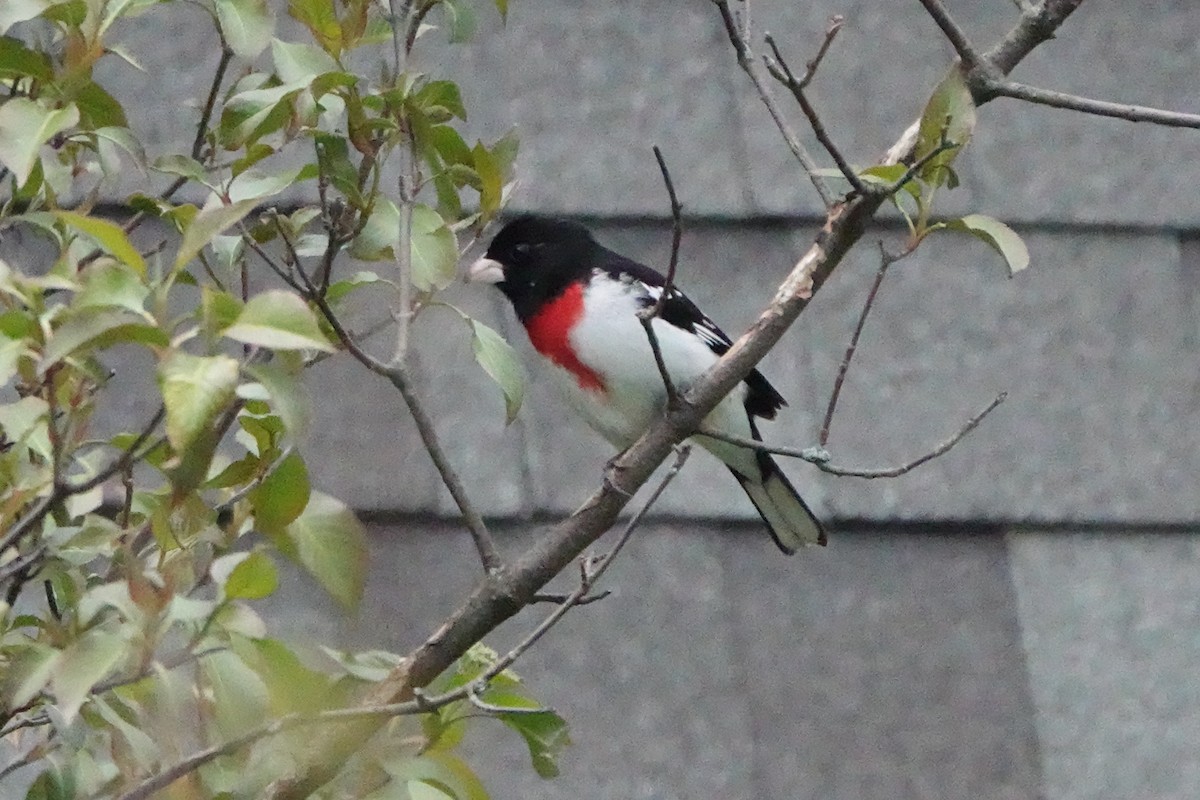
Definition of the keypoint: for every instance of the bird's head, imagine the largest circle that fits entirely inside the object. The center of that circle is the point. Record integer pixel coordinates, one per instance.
(534, 258)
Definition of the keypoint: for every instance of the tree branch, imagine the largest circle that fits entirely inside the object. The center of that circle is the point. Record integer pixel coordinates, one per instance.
(983, 75)
(885, 261)
(819, 457)
(957, 36)
(397, 375)
(749, 65)
(1101, 108)
(647, 315)
(781, 72)
(498, 597)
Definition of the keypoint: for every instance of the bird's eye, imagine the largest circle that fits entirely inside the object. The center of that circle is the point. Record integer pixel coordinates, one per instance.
(523, 249)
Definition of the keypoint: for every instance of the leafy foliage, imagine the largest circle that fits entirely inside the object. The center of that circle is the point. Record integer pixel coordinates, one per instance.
(151, 546)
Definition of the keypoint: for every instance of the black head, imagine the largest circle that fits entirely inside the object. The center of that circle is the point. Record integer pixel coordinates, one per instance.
(533, 258)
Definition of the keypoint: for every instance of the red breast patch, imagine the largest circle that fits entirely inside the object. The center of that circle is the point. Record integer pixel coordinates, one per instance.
(549, 331)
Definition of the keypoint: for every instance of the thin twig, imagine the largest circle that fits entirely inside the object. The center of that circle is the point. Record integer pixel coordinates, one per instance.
(62, 490)
(552, 597)
(915, 168)
(831, 32)
(647, 315)
(398, 376)
(1101, 108)
(819, 457)
(676, 232)
(780, 71)
(885, 261)
(162, 780)
(749, 65)
(211, 103)
(473, 696)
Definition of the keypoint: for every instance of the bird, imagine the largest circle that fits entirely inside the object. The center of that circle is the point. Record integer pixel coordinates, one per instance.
(579, 301)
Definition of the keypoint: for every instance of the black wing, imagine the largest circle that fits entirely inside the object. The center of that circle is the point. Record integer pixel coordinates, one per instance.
(762, 399)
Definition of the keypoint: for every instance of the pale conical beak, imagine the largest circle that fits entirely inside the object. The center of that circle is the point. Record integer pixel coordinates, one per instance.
(486, 270)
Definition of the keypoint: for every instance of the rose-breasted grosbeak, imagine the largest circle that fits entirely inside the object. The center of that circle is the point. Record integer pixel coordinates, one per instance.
(579, 301)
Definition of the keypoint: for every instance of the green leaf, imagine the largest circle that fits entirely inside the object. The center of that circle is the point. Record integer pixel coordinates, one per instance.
(85, 663)
(28, 669)
(97, 328)
(207, 224)
(440, 97)
(288, 397)
(372, 665)
(145, 750)
(377, 238)
(279, 320)
(25, 126)
(340, 289)
(420, 790)
(502, 7)
(282, 496)
(195, 389)
(293, 686)
(254, 578)
(183, 166)
(98, 108)
(499, 361)
(1001, 238)
(300, 61)
(109, 236)
(887, 175)
(491, 180)
(17, 60)
(952, 110)
(240, 699)
(440, 768)
(112, 284)
(247, 25)
(545, 733)
(434, 250)
(109, 139)
(320, 17)
(255, 184)
(460, 19)
(329, 542)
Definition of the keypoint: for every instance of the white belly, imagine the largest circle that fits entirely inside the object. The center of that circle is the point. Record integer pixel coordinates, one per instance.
(613, 343)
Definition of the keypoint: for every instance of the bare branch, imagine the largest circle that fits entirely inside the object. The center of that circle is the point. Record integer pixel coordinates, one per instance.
(397, 375)
(885, 261)
(162, 780)
(781, 72)
(984, 80)
(676, 231)
(211, 103)
(1071, 102)
(647, 315)
(749, 65)
(957, 36)
(831, 32)
(550, 597)
(819, 457)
